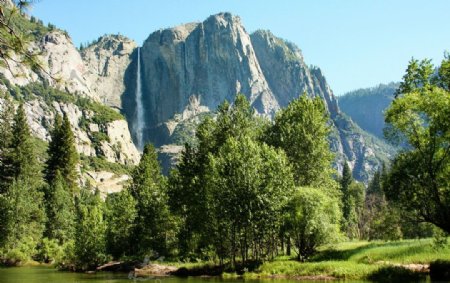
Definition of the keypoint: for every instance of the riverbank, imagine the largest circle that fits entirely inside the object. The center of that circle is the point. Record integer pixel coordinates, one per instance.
(406, 260)
(385, 261)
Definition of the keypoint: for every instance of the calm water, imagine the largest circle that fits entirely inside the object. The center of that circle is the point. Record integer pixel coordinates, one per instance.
(50, 275)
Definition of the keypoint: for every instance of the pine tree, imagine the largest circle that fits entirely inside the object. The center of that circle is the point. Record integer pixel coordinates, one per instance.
(61, 175)
(148, 189)
(60, 211)
(345, 183)
(62, 154)
(6, 134)
(23, 215)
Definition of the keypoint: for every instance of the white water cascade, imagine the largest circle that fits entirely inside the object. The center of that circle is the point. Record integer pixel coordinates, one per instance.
(139, 122)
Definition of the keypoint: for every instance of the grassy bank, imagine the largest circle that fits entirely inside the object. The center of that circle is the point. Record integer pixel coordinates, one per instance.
(351, 260)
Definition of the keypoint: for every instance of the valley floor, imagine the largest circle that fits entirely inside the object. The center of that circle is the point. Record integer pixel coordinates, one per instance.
(377, 260)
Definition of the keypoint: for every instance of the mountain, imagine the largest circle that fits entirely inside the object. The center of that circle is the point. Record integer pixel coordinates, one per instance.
(366, 106)
(190, 69)
(82, 85)
(166, 87)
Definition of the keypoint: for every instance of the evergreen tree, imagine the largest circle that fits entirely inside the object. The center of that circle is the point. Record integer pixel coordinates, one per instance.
(62, 153)
(345, 183)
(90, 242)
(148, 188)
(60, 211)
(23, 215)
(120, 215)
(6, 134)
(61, 175)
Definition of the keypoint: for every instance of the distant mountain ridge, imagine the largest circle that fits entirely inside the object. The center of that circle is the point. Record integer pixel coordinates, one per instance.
(366, 106)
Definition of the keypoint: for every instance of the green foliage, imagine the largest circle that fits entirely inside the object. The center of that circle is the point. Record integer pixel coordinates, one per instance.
(301, 130)
(102, 114)
(49, 251)
(6, 145)
(16, 33)
(101, 164)
(249, 185)
(120, 216)
(148, 188)
(345, 183)
(63, 156)
(419, 177)
(22, 214)
(313, 219)
(60, 210)
(90, 242)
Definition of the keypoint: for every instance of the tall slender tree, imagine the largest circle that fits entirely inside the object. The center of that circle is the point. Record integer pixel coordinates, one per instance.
(148, 188)
(345, 183)
(24, 216)
(62, 181)
(62, 153)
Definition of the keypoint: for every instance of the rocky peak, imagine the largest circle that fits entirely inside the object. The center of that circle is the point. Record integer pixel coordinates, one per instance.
(213, 59)
(286, 72)
(106, 62)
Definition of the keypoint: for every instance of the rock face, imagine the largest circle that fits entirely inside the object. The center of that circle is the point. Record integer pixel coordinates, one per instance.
(212, 61)
(286, 72)
(203, 64)
(106, 62)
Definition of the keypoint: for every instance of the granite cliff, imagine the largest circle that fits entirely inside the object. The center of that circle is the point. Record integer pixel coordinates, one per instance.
(186, 72)
(190, 69)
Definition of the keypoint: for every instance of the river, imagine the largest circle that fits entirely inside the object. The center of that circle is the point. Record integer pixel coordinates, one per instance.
(51, 275)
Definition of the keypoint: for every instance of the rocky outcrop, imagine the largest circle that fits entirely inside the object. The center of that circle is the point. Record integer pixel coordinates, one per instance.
(286, 72)
(106, 62)
(212, 60)
(117, 146)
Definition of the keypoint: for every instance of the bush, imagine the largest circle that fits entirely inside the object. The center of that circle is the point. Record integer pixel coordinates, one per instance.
(313, 218)
(49, 251)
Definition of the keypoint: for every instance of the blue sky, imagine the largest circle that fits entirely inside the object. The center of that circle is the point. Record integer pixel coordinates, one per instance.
(357, 43)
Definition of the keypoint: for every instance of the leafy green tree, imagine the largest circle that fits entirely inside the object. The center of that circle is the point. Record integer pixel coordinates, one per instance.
(90, 242)
(188, 190)
(148, 188)
(419, 177)
(301, 130)
(249, 185)
(313, 219)
(120, 216)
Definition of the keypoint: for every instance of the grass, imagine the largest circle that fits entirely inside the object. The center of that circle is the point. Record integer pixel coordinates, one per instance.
(352, 260)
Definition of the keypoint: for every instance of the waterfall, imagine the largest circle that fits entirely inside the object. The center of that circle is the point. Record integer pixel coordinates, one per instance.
(139, 123)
